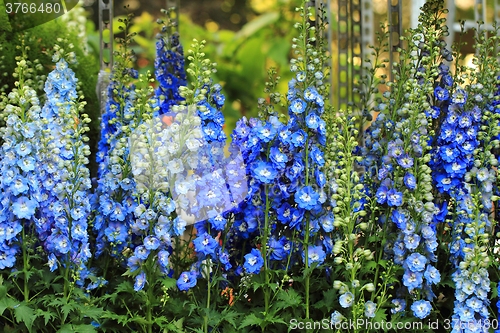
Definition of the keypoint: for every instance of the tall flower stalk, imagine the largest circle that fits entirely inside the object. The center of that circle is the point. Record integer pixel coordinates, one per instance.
(20, 189)
(66, 217)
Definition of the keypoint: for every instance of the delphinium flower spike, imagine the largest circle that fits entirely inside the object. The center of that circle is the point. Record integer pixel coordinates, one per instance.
(284, 168)
(169, 66)
(399, 141)
(68, 187)
(472, 223)
(125, 109)
(20, 189)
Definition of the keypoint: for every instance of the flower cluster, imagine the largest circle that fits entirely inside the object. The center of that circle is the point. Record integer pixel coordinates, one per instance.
(471, 226)
(20, 195)
(116, 184)
(284, 206)
(169, 65)
(65, 180)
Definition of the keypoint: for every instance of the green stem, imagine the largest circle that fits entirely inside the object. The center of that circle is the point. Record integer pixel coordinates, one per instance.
(306, 231)
(306, 245)
(208, 296)
(26, 268)
(149, 310)
(380, 255)
(66, 276)
(264, 251)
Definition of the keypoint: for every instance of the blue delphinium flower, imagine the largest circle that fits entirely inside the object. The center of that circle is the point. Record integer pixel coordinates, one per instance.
(306, 198)
(115, 185)
(416, 262)
(382, 194)
(205, 244)
(401, 182)
(400, 305)
(410, 181)
(394, 198)
(187, 280)
(253, 261)
(421, 309)
(140, 280)
(432, 275)
(315, 254)
(264, 172)
(441, 94)
(52, 262)
(285, 200)
(336, 317)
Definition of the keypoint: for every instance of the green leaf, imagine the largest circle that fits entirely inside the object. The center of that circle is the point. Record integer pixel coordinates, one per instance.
(494, 290)
(66, 309)
(288, 298)
(3, 291)
(92, 311)
(160, 320)
(380, 316)
(447, 282)
(139, 320)
(6, 303)
(24, 314)
(84, 328)
(175, 326)
(47, 315)
(125, 286)
(370, 265)
(120, 319)
(250, 320)
(279, 50)
(168, 282)
(67, 328)
(230, 317)
(255, 25)
(328, 301)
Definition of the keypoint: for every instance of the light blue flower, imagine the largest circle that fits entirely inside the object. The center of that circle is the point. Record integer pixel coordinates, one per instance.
(421, 309)
(346, 300)
(140, 280)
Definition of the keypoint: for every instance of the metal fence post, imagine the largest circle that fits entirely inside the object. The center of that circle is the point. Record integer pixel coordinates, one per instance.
(105, 23)
(395, 31)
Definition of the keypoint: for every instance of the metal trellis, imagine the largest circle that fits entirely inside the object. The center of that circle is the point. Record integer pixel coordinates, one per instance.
(355, 35)
(343, 54)
(480, 11)
(395, 31)
(105, 23)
